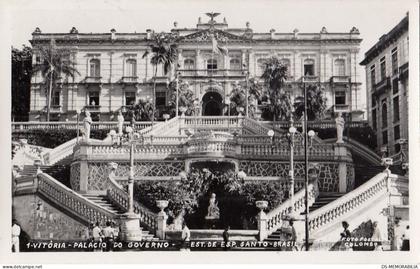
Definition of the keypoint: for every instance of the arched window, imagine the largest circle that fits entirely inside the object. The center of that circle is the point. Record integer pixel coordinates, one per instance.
(260, 66)
(339, 67)
(211, 64)
(130, 70)
(384, 115)
(309, 67)
(94, 68)
(235, 64)
(189, 64)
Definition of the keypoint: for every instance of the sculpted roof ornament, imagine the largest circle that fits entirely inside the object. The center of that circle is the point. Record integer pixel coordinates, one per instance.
(354, 30)
(324, 30)
(37, 30)
(205, 35)
(212, 15)
(74, 30)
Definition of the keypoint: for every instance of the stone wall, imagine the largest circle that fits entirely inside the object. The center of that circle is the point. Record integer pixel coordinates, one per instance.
(41, 220)
(350, 177)
(327, 172)
(75, 176)
(99, 171)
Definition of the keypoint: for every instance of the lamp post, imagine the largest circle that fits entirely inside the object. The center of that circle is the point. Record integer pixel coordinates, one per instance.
(77, 120)
(291, 135)
(177, 93)
(227, 102)
(130, 221)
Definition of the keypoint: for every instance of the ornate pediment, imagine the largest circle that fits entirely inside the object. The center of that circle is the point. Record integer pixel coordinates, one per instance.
(205, 35)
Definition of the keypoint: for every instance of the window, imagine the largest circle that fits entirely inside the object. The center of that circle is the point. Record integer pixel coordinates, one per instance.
(308, 67)
(160, 98)
(372, 76)
(130, 98)
(339, 67)
(383, 68)
(94, 98)
(374, 124)
(385, 137)
(340, 97)
(212, 64)
(189, 64)
(37, 59)
(131, 68)
(55, 98)
(396, 108)
(395, 86)
(94, 68)
(394, 61)
(397, 132)
(286, 62)
(235, 64)
(384, 114)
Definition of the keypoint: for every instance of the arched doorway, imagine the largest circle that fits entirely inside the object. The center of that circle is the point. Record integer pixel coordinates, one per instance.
(212, 104)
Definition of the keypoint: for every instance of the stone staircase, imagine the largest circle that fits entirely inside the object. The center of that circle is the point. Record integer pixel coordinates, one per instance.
(103, 201)
(324, 199)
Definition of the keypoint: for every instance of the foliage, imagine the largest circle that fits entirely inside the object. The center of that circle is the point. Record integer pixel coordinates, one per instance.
(21, 82)
(279, 105)
(54, 137)
(316, 103)
(55, 62)
(164, 51)
(142, 111)
(238, 98)
(185, 98)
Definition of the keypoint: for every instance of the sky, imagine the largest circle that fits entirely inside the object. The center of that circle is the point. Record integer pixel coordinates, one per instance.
(372, 18)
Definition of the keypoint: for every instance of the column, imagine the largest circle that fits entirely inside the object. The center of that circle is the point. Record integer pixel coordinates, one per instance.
(340, 152)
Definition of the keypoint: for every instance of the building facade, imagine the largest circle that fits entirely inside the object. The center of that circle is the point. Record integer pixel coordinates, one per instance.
(113, 73)
(386, 65)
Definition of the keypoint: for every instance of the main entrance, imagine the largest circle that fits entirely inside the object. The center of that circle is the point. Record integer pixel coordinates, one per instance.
(212, 104)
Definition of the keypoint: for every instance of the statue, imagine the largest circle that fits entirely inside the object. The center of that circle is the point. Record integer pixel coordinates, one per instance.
(120, 122)
(339, 124)
(213, 209)
(87, 121)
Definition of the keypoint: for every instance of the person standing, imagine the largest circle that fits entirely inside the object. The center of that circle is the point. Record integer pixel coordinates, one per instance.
(15, 236)
(185, 236)
(108, 233)
(97, 236)
(226, 237)
(345, 234)
(406, 239)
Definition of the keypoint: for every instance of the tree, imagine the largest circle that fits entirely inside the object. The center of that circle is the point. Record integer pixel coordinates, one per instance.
(238, 97)
(185, 98)
(142, 111)
(274, 75)
(164, 51)
(315, 102)
(21, 82)
(54, 63)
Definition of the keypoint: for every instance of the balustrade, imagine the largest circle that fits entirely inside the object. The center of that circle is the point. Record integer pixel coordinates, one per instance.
(72, 201)
(120, 197)
(349, 202)
(72, 125)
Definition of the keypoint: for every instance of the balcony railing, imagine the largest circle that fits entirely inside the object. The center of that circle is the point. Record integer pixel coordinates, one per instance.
(382, 86)
(341, 108)
(69, 125)
(212, 72)
(339, 79)
(94, 108)
(309, 79)
(403, 71)
(324, 124)
(129, 80)
(93, 80)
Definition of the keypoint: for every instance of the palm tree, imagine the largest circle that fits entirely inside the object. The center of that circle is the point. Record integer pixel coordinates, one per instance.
(274, 75)
(185, 98)
(164, 51)
(55, 62)
(315, 102)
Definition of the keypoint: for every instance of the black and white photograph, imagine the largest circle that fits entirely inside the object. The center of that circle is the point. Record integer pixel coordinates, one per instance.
(210, 126)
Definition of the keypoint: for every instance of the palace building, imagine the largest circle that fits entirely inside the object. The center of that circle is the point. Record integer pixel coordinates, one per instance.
(386, 66)
(113, 74)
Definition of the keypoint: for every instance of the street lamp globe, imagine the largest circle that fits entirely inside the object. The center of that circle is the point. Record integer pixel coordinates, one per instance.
(77, 111)
(227, 101)
(311, 133)
(292, 130)
(241, 175)
(112, 133)
(128, 129)
(270, 133)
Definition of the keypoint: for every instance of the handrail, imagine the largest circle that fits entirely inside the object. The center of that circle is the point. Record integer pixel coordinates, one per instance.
(255, 126)
(120, 197)
(96, 125)
(275, 216)
(348, 202)
(156, 129)
(58, 153)
(72, 201)
(361, 149)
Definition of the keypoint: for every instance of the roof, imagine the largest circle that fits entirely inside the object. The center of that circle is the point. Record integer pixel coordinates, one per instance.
(386, 40)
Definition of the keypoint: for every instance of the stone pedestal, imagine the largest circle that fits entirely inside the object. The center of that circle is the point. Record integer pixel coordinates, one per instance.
(161, 219)
(262, 220)
(130, 227)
